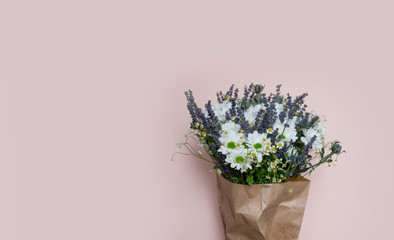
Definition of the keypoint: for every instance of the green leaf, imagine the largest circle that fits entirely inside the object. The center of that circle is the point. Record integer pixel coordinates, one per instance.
(249, 180)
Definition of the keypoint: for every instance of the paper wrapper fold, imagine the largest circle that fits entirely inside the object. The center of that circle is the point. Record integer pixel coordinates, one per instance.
(262, 211)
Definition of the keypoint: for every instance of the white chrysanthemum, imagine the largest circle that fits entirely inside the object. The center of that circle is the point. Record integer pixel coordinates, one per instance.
(257, 143)
(279, 126)
(309, 134)
(251, 113)
(255, 140)
(319, 127)
(290, 134)
(231, 141)
(230, 127)
(221, 109)
(239, 160)
(278, 108)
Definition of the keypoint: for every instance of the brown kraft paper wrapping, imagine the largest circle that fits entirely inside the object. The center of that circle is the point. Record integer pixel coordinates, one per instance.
(262, 211)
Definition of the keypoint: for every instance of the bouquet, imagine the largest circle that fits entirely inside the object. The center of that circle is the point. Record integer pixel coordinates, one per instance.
(259, 138)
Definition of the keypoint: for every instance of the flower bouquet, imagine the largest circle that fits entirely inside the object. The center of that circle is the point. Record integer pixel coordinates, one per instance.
(262, 147)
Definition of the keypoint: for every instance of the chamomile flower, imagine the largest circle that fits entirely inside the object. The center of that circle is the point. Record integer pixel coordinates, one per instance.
(280, 145)
(273, 165)
(273, 149)
(256, 155)
(264, 138)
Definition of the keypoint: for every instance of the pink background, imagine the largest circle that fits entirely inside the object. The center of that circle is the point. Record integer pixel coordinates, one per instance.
(92, 104)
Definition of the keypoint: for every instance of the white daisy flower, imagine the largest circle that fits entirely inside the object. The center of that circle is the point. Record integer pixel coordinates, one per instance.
(238, 159)
(231, 141)
(255, 140)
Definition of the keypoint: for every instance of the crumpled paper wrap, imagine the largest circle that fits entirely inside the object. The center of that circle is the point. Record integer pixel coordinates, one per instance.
(262, 211)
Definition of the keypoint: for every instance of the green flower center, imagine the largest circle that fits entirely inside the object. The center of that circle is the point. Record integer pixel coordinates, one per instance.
(239, 159)
(231, 145)
(258, 146)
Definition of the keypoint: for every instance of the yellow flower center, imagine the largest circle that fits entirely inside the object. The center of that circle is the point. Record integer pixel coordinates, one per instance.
(251, 124)
(273, 149)
(233, 117)
(267, 148)
(238, 144)
(273, 164)
(225, 132)
(203, 133)
(264, 139)
(241, 137)
(240, 129)
(254, 154)
(279, 144)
